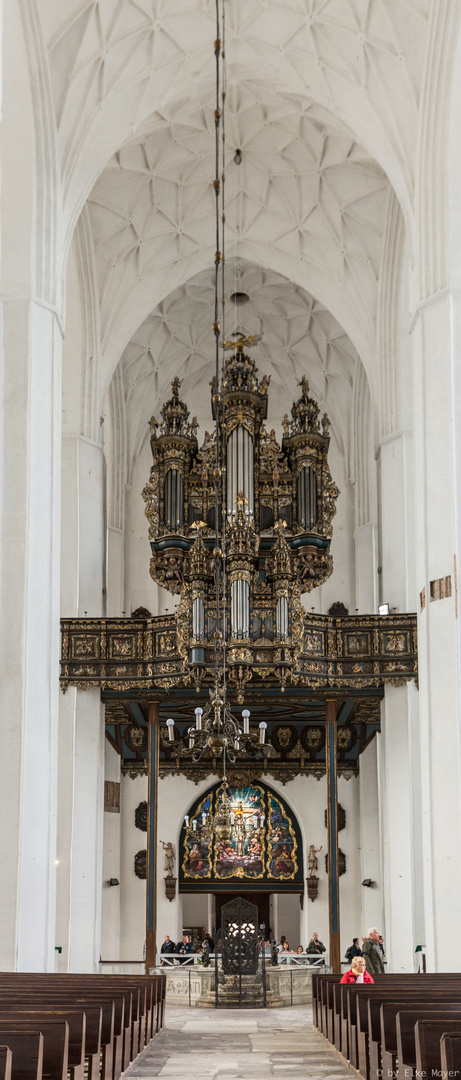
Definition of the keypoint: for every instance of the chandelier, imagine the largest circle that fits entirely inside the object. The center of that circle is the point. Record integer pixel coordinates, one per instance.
(240, 526)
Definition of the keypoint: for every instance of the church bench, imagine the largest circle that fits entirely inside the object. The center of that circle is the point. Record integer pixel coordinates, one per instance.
(353, 1023)
(360, 1005)
(428, 1036)
(26, 1049)
(84, 1019)
(450, 1054)
(82, 989)
(5, 1063)
(108, 1021)
(138, 1001)
(55, 1062)
(403, 997)
(398, 1029)
(84, 1023)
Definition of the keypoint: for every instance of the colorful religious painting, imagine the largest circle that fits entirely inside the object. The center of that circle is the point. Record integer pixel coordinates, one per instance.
(264, 846)
(196, 862)
(242, 856)
(282, 845)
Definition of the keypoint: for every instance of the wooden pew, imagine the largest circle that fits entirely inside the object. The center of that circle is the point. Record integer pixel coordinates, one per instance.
(84, 1020)
(132, 1010)
(428, 1035)
(403, 997)
(26, 1050)
(361, 1027)
(72, 989)
(398, 1030)
(450, 1054)
(5, 1063)
(55, 1044)
(101, 1041)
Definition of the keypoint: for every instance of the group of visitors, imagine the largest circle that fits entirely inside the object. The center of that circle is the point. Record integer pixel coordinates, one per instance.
(181, 948)
(184, 948)
(367, 960)
(314, 948)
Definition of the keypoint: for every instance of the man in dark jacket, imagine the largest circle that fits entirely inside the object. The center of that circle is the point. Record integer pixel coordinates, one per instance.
(315, 946)
(353, 950)
(168, 946)
(372, 953)
(183, 947)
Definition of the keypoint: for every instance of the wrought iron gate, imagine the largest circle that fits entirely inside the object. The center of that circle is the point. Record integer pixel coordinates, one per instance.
(240, 974)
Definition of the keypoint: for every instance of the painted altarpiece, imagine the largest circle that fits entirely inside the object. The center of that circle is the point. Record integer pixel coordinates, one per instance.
(263, 852)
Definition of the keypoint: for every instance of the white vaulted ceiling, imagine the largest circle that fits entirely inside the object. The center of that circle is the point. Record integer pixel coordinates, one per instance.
(323, 98)
(116, 62)
(307, 202)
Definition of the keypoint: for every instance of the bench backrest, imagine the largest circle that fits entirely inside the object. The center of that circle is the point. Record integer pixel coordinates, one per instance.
(26, 1052)
(428, 1034)
(450, 1054)
(5, 1063)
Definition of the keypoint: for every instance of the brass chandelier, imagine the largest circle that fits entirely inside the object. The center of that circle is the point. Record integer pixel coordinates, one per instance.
(241, 526)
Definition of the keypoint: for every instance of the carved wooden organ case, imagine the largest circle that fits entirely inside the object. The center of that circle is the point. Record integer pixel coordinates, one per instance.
(276, 505)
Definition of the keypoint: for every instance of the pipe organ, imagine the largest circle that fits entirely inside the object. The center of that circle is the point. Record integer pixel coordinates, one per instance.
(275, 507)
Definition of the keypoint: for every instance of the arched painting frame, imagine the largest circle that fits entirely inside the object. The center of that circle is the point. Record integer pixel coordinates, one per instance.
(264, 852)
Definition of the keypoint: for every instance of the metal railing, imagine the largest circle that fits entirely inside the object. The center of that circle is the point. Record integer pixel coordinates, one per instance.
(175, 960)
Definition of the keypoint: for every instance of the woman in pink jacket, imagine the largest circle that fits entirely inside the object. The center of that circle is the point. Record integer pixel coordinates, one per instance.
(357, 972)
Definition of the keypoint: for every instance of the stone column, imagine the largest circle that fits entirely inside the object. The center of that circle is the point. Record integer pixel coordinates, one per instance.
(29, 630)
(370, 846)
(436, 341)
(399, 770)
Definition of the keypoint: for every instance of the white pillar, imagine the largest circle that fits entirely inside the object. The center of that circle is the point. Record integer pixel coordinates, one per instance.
(87, 834)
(399, 771)
(400, 805)
(436, 347)
(81, 730)
(370, 852)
(29, 630)
(365, 569)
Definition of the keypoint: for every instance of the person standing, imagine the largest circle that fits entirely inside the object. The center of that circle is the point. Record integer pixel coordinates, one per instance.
(183, 948)
(372, 953)
(353, 950)
(315, 946)
(168, 946)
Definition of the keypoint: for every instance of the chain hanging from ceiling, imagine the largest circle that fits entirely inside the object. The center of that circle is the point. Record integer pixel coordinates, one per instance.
(240, 525)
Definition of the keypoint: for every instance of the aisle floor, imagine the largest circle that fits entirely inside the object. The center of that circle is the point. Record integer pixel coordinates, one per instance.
(255, 1044)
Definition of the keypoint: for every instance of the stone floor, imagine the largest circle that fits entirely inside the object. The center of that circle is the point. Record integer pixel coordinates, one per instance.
(255, 1044)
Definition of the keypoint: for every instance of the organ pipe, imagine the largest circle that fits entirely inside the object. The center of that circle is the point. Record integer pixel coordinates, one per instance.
(198, 618)
(240, 466)
(307, 498)
(174, 500)
(240, 609)
(282, 617)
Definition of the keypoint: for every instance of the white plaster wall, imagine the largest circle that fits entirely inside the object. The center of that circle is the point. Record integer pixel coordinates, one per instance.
(288, 916)
(111, 867)
(132, 888)
(370, 841)
(195, 909)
